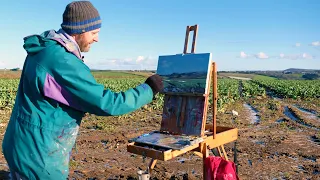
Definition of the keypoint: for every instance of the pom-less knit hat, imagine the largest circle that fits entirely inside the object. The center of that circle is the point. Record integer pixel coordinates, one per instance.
(80, 17)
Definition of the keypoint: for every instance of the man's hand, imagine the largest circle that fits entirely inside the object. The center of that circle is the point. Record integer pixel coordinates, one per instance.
(155, 82)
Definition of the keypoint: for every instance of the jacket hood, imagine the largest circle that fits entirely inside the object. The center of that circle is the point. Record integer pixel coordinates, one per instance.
(35, 43)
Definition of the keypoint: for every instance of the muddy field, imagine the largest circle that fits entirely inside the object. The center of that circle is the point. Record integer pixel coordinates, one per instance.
(278, 139)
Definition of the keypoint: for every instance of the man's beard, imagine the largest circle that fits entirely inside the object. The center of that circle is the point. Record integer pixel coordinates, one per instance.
(83, 45)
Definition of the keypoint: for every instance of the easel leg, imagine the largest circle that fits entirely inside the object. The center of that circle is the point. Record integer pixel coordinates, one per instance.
(219, 151)
(224, 153)
(152, 164)
(235, 156)
(205, 154)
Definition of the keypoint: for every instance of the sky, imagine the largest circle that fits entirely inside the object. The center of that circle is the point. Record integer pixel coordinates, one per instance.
(241, 35)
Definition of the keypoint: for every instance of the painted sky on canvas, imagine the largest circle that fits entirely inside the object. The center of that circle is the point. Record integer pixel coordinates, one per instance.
(183, 63)
(241, 35)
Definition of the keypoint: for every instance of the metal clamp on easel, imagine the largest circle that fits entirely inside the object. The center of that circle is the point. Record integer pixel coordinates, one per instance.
(187, 79)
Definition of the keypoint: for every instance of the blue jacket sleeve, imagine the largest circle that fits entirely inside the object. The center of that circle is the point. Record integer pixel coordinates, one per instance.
(72, 84)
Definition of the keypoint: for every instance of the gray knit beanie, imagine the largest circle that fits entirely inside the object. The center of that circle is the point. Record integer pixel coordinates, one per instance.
(80, 17)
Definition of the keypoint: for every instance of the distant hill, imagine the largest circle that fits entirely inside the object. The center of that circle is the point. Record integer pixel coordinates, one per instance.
(298, 70)
(288, 74)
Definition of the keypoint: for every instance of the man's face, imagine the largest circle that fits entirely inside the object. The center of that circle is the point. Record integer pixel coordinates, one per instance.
(85, 40)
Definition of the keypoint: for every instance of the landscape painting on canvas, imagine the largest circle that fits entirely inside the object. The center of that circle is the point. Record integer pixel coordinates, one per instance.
(184, 73)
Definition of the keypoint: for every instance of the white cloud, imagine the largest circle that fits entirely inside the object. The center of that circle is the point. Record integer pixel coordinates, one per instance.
(298, 44)
(316, 43)
(307, 56)
(138, 63)
(243, 55)
(296, 56)
(261, 55)
(140, 58)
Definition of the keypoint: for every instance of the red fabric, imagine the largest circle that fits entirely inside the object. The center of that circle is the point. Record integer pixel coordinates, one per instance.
(217, 168)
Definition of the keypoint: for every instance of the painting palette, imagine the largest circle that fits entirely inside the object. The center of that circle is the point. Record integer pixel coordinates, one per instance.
(184, 73)
(166, 140)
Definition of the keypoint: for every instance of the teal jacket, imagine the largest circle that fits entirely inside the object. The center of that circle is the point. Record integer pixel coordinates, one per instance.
(56, 89)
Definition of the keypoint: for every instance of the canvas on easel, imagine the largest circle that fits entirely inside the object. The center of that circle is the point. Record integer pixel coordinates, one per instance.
(185, 73)
(186, 78)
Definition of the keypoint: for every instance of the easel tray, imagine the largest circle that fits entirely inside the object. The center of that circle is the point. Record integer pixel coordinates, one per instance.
(166, 140)
(224, 135)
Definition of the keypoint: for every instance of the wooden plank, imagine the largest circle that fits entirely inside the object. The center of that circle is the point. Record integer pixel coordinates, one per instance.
(198, 153)
(214, 98)
(151, 165)
(194, 40)
(176, 153)
(219, 129)
(156, 154)
(186, 40)
(147, 152)
(224, 152)
(222, 138)
(205, 154)
(204, 120)
(219, 151)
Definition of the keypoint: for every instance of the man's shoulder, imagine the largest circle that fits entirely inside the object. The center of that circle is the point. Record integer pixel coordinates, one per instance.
(57, 55)
(57, 50)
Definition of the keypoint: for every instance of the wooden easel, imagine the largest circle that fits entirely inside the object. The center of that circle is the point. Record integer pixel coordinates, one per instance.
(213, 136)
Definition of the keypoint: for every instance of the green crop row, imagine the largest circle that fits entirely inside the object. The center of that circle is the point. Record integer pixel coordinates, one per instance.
(296, 89)
(228, 89)
(252, 89)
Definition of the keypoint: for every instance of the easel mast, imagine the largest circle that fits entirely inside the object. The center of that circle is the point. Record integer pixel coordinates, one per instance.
(195, 32)
(212, 79)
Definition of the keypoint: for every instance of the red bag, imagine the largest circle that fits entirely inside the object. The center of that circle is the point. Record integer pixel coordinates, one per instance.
(217, 168)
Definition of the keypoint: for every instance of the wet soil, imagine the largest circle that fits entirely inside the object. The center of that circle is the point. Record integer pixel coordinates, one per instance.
(272, 146)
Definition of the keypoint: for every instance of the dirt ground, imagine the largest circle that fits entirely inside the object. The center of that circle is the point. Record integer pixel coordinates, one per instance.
(277, 140)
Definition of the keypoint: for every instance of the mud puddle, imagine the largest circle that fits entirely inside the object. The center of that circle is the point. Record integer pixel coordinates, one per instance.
(281, 120)
(315, 140)
(311, 114)
(293, 117)
(258, 142)
(253, 114)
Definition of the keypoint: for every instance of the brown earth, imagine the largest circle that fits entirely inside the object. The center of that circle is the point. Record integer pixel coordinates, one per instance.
(276, 148)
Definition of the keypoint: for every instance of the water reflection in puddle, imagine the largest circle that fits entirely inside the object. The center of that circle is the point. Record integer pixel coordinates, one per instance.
(291, 115)
(253, 114)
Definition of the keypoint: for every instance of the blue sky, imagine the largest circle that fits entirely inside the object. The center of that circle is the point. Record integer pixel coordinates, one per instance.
(241, 35)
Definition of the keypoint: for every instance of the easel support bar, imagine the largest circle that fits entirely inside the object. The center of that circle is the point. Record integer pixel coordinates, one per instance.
(195, 32)
(214, 98)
